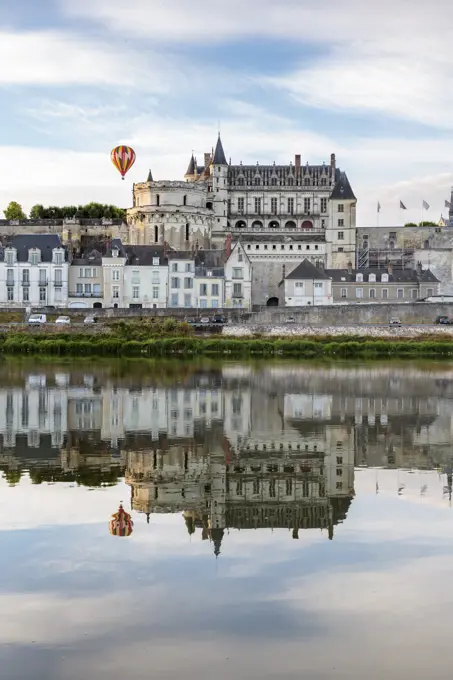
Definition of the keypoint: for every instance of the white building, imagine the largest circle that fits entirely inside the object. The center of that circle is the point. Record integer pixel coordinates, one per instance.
(279, 212)
(238, 278)
(306, 285)
(145, 277)
(34, 272)
(113, 265)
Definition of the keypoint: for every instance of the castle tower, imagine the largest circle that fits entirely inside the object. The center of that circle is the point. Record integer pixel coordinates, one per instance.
(341, 231)
(191, 172)
(219, 175)
(450, 211)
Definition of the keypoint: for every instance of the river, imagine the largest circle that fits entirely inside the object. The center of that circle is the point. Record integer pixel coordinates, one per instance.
(290, 520)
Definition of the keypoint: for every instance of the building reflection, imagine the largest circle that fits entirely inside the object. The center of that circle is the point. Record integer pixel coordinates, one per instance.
(237, 447)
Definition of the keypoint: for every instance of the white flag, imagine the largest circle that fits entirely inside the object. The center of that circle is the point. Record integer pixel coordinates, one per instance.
(425, 205)
(379, 207)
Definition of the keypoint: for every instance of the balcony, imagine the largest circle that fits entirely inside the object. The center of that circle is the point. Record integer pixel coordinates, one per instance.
(25, 283)
(10, 283)
(42, 283)
(86, 295)
(58, 284)
(238, 295)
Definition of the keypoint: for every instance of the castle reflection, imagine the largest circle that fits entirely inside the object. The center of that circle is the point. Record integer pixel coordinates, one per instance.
(231, 447)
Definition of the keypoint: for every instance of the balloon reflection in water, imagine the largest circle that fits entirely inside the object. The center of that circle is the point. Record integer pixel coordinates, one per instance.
(121, 523)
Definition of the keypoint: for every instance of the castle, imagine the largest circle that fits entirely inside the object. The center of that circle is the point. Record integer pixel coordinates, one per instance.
(282, 214)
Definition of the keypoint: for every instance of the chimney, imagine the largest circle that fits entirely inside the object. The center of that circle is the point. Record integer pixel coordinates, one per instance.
(207, 159)
(228, 246)
(419, 269)
(332, 161)
(349, 267)
(297, 161)
(165, 249)
(390, 267)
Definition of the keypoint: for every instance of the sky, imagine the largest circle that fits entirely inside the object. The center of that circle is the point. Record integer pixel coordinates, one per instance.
(370, 82)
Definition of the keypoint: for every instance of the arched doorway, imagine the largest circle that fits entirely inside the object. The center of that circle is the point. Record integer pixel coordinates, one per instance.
(272, 302)
(307, 224)
(209, 205)
(240, 224)
(274, 224)
(257, 224)
(290, 224)
(97, 305)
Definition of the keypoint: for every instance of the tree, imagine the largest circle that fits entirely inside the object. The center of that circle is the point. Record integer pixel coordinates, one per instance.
(37, 212)
(14, 212)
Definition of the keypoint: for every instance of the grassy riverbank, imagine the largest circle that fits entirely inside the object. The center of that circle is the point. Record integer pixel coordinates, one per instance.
(122, 344)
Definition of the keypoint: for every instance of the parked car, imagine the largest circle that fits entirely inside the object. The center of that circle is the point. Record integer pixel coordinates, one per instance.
(394, 321)
(36, 319)
(444, 320)
(218, 319)
(63, 320)
(90, 319)
(290, 319)
(205, 319)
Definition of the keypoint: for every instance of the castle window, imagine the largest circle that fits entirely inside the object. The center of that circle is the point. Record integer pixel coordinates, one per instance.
(307, 181)
(157, 199)
(274, 181)
(257, 181)
(290, 181)
(187, 231)
(156, 233)
(185, 200)
(323, 181)
(240, 182)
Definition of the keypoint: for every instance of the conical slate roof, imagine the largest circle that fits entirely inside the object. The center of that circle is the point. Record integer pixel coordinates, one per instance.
(191, 168)
(150, 177)
(219, 154)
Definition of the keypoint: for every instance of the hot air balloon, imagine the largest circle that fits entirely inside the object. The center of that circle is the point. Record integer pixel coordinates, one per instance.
(123, 158)
(121, 523)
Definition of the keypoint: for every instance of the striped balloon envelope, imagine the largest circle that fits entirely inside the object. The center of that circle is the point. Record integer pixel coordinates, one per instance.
(123, 158)
(121, 523)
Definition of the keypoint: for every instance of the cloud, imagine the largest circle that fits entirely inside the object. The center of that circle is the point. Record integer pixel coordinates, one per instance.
(43, 58)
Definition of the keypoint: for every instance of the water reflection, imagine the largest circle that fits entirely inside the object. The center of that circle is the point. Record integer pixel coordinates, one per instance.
(258, 466)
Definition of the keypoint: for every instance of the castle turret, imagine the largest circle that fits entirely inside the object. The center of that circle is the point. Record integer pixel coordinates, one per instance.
(191, 170)
(219, 175)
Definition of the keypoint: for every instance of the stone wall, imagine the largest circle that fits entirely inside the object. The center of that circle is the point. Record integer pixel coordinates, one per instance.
(343, 315)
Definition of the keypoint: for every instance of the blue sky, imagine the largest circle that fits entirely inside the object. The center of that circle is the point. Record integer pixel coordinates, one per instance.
(372, 84)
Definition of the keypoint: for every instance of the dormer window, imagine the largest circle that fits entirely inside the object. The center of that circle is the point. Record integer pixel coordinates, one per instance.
(359, 277)
(58, 257)
(155, 261)
(384, 278)
(10, 257)
(240, 181)
(33, 256)
(290, 181)
(274, 181)
(307, 181)
(257, 181)
(114, 252)
(372, 278)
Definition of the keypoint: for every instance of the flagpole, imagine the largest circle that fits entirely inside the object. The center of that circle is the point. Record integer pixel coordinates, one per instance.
(421, 223)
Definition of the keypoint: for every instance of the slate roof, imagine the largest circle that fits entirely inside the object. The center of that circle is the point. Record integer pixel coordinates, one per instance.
(397, 276)
(93, 257)
(191, 168)
(150, 176)
(143, 256)
(216, 272)
(219, 154)
(116, 243)
(307, 270)
(342, 188)
(44, 242)
(209, 258)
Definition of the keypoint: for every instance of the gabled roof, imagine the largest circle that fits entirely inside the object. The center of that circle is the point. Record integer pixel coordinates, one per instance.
(43, 242)
(307, 270)
(219, 154)
(239, 245)
(191, 168)
(397, 276)
(342, 188)
(143, 256)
